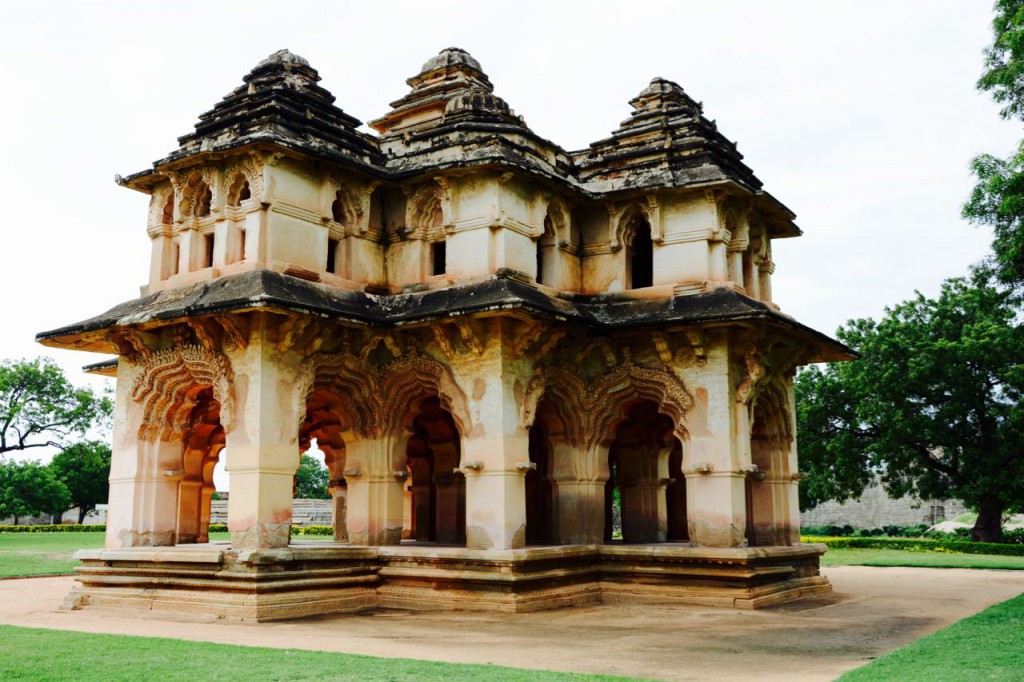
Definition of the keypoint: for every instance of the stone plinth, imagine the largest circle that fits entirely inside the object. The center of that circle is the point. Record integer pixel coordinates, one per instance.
(213, 582)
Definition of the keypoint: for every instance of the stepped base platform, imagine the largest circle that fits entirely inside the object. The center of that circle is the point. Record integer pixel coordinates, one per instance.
(214, 582)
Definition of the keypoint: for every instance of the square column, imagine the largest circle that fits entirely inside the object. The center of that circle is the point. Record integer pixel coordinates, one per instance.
(262, 442)
(495, 493)
(715, 486)
(376, 496)
(144, 475)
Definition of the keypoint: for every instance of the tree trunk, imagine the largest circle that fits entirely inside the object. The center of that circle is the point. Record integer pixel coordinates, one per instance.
(15, 520)
(989, 526)
(57, 519)
(82, 511)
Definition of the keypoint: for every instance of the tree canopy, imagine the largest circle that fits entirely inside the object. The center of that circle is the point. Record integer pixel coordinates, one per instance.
(997, 199)
(85, 469)
(311, 479)
(30, 489)
(932, 407)
(40, 408)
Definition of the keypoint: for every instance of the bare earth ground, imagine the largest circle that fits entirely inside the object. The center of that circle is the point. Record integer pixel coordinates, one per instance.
(871, 611)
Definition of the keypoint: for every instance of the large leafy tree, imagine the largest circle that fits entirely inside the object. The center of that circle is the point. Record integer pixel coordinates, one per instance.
(311, 479)
(40, 408)
(30, 489)
(85, 469)
(933, 407)
(998, 197)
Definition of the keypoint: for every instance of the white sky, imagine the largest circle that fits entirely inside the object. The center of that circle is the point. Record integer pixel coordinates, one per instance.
(860, 116)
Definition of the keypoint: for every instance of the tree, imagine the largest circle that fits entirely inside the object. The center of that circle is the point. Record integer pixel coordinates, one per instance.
(311, 479)
(933, 407)
(998, 197)
(39, 407)
(30, 489)
(85, 469)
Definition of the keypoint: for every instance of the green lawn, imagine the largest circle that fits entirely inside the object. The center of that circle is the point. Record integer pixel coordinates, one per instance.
(986, 646)
(23, 554)
(33, 654)
(898, 557)
(42, 553)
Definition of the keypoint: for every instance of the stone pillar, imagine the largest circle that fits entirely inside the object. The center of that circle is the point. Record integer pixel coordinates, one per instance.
(375, 495)
(144, 474)
(190, 499)
(496, 449)
(495, 492)
(263, 441)
(714, 485)
(579, 500)
(339, 504)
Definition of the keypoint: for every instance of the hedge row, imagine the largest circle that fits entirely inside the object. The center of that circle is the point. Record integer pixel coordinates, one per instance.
(54, 528)
(921, 545)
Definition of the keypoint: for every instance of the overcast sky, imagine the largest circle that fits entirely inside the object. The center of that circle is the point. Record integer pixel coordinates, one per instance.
(860, 116)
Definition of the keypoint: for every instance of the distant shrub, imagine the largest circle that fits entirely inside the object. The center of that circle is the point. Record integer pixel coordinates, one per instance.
(55, 528)
(920, 545)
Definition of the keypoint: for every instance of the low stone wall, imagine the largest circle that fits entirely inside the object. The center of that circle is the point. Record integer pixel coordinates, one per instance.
(304, 512)
(875, 509)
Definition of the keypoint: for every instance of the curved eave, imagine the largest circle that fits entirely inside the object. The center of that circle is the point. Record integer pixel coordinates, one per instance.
(272, 291)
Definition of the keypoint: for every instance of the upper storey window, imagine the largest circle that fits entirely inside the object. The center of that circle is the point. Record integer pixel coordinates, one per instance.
(202, 206)
(640, 254)
(167, 215)
(239, 191)
(196, 198)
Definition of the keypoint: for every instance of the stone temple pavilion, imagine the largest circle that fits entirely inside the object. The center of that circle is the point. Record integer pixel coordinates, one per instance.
(539, 377)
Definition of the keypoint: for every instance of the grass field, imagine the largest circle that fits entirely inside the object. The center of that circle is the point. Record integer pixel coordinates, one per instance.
(33, 654)
(42, 553)
(898, 557)
(986, 646)
(24, 554)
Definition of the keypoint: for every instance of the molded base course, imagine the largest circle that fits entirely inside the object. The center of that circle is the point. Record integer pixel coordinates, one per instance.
(211, 582)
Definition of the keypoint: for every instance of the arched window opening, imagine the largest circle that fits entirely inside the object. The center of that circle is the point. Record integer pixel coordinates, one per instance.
(239, 191)
(203, 202)
(338, 208)
(438, 492)
(167, 216)
(640, 254)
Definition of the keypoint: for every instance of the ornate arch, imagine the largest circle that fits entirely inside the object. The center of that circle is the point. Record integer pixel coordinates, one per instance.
(375, 399)
(196, 188)
(422, 206)
(168, 383)
(250, 172)
(560, 219)
(590, 409)
(623, 227)
(346, 204)
(159, 203)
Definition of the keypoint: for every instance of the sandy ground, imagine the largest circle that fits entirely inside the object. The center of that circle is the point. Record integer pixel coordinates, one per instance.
(870, 612)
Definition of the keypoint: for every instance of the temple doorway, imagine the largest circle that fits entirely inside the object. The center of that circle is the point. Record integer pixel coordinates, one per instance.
(436, 489)
(638, 462)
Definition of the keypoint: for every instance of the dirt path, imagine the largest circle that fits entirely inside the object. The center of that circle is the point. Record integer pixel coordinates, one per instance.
(871, 611)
